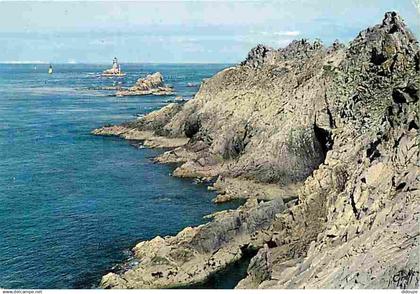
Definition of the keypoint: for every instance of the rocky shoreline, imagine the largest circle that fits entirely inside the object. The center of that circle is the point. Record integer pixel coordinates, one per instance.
(322, 143)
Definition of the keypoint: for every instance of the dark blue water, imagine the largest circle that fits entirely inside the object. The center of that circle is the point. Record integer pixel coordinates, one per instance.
(71, 204)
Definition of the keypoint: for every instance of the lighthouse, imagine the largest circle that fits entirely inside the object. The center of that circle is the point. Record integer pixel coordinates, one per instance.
(115, 71)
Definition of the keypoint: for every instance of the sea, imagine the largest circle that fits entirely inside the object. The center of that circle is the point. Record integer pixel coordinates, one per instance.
(72, 205)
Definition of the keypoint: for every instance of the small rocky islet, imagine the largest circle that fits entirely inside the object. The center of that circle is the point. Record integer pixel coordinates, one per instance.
(151, 84)
(322, 143)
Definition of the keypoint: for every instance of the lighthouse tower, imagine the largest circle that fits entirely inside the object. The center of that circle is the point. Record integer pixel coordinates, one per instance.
(115, 71)
(115, 65)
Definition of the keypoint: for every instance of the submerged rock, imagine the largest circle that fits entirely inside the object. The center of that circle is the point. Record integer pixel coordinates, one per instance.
(340, 124)
(192, 85)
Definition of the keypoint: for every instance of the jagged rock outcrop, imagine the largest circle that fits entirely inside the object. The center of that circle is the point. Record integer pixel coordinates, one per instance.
(259, 55)
(336, 128)
(150, 85)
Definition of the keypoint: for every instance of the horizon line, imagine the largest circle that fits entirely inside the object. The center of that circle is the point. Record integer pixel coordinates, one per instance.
(107, 63)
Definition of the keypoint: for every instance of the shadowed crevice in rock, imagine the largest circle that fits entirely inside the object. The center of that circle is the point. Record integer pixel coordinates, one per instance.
(412, 126)
(192, 127)
(377, 58)
(324, 138)
(372, 151)
(407, 94)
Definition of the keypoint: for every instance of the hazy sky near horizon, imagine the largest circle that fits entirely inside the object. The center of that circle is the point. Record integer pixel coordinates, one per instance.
(194, 31)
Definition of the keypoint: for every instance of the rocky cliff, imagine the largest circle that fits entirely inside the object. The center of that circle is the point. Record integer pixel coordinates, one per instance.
(324, 145)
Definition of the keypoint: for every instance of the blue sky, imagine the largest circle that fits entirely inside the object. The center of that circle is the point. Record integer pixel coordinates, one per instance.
(194, 31)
